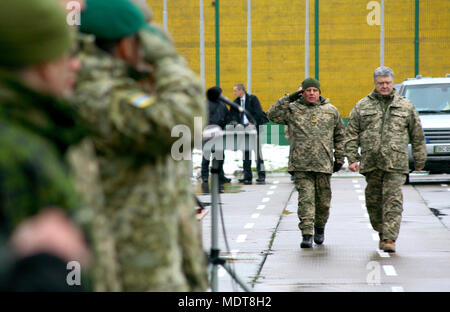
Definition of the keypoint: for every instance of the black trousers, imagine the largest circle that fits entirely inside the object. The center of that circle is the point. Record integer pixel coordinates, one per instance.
(205, 165)
(247, 163)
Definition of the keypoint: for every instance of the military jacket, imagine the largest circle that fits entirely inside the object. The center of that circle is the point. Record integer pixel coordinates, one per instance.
(36, 131)
(316, 133)
(383, 135)
(148, 204)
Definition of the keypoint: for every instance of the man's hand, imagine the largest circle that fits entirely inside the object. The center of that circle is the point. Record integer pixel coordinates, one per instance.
(354, 167)
(295, 96)
(51, 231)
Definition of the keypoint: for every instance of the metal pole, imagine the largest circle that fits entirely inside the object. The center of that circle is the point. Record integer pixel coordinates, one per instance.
(316, 38)
(214, 221)
(202, 45)
(306, 38)
(416, 39)
(249, 46)
(382, 35)
(217, 44)
(165, 16)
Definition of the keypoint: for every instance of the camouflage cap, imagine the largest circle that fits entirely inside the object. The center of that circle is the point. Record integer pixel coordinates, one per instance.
(32, 32)
(310, 82)
(111, 19)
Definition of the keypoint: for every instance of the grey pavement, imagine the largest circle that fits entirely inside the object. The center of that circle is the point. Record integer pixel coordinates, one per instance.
(262, 229)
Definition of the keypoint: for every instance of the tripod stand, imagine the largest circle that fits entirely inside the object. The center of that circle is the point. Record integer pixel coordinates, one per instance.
(214, 256)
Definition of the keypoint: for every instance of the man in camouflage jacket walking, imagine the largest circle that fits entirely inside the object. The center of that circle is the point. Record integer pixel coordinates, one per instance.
(382, 124)
(317, 135)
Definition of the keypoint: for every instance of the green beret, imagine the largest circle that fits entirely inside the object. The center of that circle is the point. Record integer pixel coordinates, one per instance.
(32, 32)
(310, 82)
(111, 19)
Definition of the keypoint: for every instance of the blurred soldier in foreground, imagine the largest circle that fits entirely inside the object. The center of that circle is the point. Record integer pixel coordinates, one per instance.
(37, 129)
(316, 135)
(149, 208)
(382, 124)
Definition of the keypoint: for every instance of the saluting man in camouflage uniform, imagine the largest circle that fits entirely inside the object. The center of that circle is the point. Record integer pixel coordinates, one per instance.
(148, 208)
(316, 136)
(382, 124)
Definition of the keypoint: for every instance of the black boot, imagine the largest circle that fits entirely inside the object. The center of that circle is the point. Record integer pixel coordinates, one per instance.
(319, 235)
(307, 241)
(224, 179)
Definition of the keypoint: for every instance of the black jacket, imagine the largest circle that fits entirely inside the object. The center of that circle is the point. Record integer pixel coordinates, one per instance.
(253, 106)
(218, 114)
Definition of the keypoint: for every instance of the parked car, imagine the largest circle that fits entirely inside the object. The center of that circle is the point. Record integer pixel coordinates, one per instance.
(431, 97)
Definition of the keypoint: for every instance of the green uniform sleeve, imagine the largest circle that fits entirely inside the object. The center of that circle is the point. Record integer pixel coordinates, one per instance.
(417, 139)
(339, 136)
(351, 142)
(178, 98)
(279, 111)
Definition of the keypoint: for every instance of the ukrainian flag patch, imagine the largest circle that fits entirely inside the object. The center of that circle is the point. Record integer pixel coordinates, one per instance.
(142, 100)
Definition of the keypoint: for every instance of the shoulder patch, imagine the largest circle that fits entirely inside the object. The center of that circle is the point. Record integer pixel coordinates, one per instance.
(141, 99)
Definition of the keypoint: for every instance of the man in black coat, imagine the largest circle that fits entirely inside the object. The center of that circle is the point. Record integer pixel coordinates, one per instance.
(218, 114)
(251, 104)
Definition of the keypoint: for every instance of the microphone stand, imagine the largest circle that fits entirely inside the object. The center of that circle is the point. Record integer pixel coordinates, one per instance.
(214, 256)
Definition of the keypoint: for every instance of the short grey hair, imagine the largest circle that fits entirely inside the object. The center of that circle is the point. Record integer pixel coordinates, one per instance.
(383, 71)
(240, 86)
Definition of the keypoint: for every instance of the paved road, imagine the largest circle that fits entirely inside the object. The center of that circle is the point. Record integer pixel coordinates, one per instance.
(261, 226)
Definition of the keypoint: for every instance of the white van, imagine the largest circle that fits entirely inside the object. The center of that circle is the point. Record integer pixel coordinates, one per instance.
(431, 97)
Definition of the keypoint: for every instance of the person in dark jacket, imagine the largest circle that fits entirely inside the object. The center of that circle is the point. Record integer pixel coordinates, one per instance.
(218, 114)
(251, 104)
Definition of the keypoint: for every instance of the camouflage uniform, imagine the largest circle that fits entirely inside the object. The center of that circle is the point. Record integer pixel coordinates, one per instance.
(36, 132)
(148, 204)
(316, 136)
(382, 127)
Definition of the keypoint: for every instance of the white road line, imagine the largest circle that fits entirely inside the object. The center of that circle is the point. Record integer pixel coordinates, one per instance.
(397, 289)
(358, 191)
(265, 199)
(375, 237)
(448, 189)
(355, 181)
(270, 193)
(221, 272)
(366, 215)
(361, 197)
(369, 226)
(276, 182)
(261, 207)
(255, 216)
(273, 187)
(389, 270)
(363, 206)
(357, 185)
(444, 184)
(234, 252)
(241, 238)
(383, 254)
(249, 225)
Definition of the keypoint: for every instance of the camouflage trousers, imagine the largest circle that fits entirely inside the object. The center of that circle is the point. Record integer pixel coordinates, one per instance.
(384, 201)
(314, 196)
